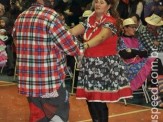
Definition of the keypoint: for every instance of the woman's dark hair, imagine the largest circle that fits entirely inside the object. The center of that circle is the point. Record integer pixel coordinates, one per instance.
(115, 14)
(133, 5)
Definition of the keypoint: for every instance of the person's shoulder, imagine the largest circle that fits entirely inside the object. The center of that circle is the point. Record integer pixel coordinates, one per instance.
(49, 13)
(110, 19)
(49, 10)
(143, 29)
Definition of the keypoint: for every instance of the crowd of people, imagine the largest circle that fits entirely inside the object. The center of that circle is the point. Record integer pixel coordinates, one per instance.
(119, 40)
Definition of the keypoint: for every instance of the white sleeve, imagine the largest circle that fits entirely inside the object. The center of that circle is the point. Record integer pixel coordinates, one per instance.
(139, 8)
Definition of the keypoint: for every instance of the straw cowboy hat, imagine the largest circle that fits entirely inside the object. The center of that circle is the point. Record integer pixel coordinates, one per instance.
(154, 20)
(87, 13)
(128, 21)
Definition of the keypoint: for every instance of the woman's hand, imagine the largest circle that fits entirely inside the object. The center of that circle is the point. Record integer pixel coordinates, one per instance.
(86, 45)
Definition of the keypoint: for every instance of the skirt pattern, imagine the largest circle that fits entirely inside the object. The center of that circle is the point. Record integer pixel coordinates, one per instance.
(103, 79)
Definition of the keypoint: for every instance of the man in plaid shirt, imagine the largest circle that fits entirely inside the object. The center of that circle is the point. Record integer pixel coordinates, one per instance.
(152, 35)
(42, 44)
(152, 39)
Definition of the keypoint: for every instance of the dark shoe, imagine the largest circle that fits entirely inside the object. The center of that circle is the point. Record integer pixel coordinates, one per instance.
(94, 120)
(104, 120)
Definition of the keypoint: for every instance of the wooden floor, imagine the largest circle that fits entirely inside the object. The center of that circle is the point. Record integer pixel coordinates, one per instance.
(14, 108)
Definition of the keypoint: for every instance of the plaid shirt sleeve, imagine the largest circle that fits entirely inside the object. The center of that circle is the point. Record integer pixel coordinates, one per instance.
(147, 40)
(64, 40)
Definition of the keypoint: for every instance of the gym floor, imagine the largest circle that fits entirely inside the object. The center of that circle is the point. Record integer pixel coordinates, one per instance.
(14, 107)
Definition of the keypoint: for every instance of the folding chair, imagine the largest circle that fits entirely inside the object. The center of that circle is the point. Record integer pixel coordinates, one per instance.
(74, 74)
(68, 76)
(143, 90)
(2, 69)
(15, 70)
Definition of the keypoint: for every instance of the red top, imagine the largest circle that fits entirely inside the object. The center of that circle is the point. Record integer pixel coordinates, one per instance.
(108, 46)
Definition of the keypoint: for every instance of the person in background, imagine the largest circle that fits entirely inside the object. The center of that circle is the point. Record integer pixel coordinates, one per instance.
(6, 3)
(148, 1)
(135, 56)
(2, 10)
(73, 13)
(151, 36)
(61, 5)
(17, 7)
(154, 7)
(42, 44)
(3, 54)
(6, 25)
(139, 25)
(137, 7)
(152, 39)
(122, 8)
(102, 75)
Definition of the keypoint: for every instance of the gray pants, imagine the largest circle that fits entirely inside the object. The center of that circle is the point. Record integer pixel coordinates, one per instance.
(50, 109)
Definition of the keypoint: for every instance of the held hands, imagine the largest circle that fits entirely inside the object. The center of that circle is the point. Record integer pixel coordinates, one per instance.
(86, 45)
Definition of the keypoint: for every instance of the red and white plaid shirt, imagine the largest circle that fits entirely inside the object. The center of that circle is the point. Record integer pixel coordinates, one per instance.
(42, 44)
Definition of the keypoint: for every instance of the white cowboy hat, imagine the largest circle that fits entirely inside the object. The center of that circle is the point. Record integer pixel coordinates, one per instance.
(87, 13)
(154, 20)
(128, 21)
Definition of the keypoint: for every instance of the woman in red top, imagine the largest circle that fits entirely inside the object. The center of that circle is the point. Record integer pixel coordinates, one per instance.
(102, 77)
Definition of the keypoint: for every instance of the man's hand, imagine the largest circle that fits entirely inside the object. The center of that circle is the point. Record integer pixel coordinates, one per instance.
(156, 43)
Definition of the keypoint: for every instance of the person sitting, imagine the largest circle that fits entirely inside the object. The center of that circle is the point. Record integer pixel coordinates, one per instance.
(152, 35)
(152, 39)
(137, 64)
(139, 24)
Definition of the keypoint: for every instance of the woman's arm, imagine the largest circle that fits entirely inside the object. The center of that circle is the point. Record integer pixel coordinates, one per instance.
(131, 53)
(128, 53)
(77, 30)
(103, 35)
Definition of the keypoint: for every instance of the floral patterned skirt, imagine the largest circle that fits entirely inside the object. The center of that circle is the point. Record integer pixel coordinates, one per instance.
(103, 79)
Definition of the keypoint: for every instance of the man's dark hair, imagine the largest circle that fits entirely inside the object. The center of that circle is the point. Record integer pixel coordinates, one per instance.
(135, 15)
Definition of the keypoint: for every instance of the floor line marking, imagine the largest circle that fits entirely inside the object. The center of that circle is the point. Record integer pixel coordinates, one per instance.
(140, 105)
(8, 84)
(132, 112)
(5, 82)
(116, 115)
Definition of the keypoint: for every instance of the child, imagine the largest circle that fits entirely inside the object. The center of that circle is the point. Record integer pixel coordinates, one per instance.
(3, 54)
(5, 34)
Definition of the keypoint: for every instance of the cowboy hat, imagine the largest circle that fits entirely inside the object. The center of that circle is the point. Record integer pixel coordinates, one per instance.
(154, 20)
(128, 21)
(87, 13)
